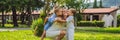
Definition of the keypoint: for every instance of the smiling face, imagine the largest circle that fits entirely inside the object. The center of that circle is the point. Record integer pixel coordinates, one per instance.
(65, 12)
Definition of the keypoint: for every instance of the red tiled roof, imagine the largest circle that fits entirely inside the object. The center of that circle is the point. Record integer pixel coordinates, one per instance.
(99, 10)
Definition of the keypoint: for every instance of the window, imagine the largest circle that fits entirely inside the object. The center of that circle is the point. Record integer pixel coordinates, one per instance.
(95, 17)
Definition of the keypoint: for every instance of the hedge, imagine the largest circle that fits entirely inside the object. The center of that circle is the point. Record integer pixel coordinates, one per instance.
(91, 23)
(118, 20)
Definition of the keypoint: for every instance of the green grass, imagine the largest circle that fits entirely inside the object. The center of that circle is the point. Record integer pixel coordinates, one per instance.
(97, 34)
(80, 34)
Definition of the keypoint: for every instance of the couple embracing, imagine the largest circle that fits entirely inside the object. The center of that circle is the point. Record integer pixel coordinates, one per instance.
(59, 24)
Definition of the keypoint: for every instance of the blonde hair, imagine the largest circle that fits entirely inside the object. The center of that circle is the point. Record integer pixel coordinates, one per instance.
(72, 10)
(57, 9)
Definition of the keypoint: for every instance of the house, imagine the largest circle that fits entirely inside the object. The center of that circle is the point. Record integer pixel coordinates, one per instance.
(98, 13)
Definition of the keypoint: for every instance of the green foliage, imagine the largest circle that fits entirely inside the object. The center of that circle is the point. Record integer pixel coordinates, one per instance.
(42, 14)
(118, 20)
(78, 16)
(99, 23)
(101, 6)
(95, 4)
(9, 21)
(37, 26)
(9, 25)
(89, 23)
(19, 5)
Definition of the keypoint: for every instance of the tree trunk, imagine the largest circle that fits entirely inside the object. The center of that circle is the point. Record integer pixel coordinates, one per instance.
(22, 16)
(29, 16)
(3, 22)
(14, 16)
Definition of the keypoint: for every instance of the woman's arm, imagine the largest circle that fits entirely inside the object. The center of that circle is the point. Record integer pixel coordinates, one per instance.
(60, 20)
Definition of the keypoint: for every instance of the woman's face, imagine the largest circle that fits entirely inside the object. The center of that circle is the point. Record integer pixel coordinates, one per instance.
(65, 13)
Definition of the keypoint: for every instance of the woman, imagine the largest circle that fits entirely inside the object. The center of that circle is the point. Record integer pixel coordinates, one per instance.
(58, 28)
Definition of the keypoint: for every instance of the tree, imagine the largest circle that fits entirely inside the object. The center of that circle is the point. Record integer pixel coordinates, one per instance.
(14, 6)
(2, 3)
(101, 6)
(79, 5)
(95, 4)
(31, 5)
(3, 7)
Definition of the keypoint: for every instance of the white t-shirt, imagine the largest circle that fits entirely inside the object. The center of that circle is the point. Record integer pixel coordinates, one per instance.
(70, 23)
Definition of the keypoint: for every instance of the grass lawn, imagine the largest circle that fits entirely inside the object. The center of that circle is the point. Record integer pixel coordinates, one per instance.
(80, 34)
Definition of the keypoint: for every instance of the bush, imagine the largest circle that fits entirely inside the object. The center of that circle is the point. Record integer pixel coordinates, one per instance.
(9, 25)
(9, 21)
(0, 25)
(23, 26)
(118, 20)
(37, 26)
(100, 23)
(89, 23)
(78, 16)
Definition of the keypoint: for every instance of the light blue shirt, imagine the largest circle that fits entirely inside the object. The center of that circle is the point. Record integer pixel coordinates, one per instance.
(50, 21)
